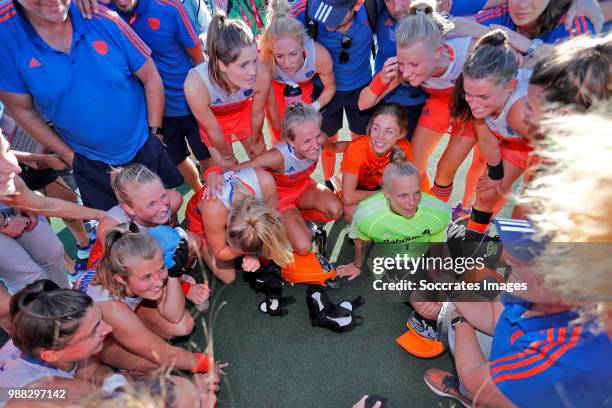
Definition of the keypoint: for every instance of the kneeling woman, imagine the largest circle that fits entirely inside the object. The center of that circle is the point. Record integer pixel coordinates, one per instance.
(292, 163)
(241, 221)
(365, 158)
(227, 93)
(142, 300)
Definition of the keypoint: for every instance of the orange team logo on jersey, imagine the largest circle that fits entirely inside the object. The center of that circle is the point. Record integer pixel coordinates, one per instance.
(154, 23)
(101, 47)
(34, 63)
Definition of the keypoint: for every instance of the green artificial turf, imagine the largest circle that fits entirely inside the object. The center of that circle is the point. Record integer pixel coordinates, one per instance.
(285, 362)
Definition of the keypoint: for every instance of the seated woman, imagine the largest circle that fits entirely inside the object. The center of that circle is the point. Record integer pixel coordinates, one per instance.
(292, 163)
(36, 252)
(142, 199)
(294, 60)
(56, 334)
(365, 158)
(241, 221)
(142, 300)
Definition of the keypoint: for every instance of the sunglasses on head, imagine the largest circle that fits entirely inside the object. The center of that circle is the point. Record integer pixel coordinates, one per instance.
(346, 43)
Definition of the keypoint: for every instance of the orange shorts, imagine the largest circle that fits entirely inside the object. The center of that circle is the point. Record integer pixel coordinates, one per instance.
(193, 218)
(436, 116)
(517, 153)
(235, 122)
(436, 113)
(288, 199)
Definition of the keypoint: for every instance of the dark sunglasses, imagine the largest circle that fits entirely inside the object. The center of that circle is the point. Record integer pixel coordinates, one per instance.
(346, 43)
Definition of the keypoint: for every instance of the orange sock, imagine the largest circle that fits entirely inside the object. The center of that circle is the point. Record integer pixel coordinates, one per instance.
(425, 186)
(328, 160)
(479, 221)
(441, 192)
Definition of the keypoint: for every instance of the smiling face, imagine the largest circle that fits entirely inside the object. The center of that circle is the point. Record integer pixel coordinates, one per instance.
(8, 168)
(149, 204)
(525, 13)
(404, 195)
(417, 62)
(384, 133)
(288, 54)
(125, 6)
(147, 277)
(49, 11)
(242, 72)
(308, 141)
(485, 96)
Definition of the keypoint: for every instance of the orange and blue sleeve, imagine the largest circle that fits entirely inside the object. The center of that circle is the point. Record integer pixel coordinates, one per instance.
(298, 11)
(539, 362)
(497, 15)
(185, 33)
(580, 26)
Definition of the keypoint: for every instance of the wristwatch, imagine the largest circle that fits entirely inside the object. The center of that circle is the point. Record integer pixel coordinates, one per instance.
(156, 130)
(455, 321)
(535, 43)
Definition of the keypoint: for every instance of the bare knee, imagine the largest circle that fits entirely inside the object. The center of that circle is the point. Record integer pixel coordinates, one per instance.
(225, 276)
(303, 247)
(184, 327)
(334, 210)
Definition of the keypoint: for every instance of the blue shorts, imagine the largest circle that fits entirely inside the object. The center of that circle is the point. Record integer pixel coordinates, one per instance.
(93, 177)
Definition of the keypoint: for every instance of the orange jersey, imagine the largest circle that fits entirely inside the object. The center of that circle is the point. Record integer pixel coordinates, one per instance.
(360, 159)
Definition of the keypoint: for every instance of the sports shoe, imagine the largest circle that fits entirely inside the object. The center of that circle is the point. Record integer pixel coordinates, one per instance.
(83, 252)
(445, 384)
(80, 267)
(422, 327)
(460, 213)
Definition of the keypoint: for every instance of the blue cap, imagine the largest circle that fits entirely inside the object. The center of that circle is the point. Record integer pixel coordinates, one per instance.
(330, 12)
(518, 238)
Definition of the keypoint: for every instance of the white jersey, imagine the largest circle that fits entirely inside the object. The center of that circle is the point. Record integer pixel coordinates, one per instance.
(99, 294)
(499, 125)
(118, 213)
(219, 99)
(18, 370)
(307, 71)
(246, 177)
(458, 50)
(296, 171)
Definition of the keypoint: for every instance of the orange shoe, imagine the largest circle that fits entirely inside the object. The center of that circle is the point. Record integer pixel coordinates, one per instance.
(421, 338)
